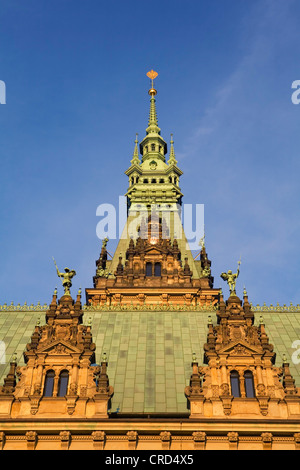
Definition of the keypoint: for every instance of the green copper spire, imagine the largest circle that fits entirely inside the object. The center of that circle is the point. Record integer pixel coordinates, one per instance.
(153, 145)
(153, 180)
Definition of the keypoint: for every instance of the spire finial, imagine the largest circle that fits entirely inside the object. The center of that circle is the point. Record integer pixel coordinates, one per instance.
(152, 75)
(135, 158)
(172, 160)
(152, 124)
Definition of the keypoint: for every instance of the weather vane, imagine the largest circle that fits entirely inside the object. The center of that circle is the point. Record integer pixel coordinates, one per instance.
(152, 75)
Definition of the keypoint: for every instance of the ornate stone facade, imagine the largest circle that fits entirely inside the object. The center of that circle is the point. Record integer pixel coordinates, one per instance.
(59, 377)
(152, 273)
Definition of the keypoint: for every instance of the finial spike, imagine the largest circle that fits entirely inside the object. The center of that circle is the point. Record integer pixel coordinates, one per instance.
(135, 159)
(172, 160)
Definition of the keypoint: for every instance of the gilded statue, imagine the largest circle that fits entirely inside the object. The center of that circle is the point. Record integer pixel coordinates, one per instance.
(231, 278)
(104, 242)
(66, 278)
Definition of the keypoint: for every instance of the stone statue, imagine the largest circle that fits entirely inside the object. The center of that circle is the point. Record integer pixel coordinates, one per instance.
(66, 278)
(231, 278)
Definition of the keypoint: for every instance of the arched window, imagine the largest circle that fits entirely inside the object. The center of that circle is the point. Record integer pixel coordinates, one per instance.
(63, 383)
(49, 383)
(235, 383)
(148, 269)
(157, 269)
(249, 384)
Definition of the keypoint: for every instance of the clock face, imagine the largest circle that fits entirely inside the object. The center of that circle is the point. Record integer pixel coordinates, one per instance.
(153, 165)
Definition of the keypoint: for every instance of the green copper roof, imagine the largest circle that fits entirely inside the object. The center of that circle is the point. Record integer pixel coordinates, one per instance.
(149, 352)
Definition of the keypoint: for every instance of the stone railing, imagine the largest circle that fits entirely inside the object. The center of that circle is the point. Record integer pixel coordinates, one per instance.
(275, 308)
(26, 307)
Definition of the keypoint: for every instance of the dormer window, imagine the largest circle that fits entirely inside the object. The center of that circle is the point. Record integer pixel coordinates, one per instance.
(153, 269)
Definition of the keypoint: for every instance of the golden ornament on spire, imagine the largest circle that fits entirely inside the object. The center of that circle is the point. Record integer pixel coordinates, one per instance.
(152, 75)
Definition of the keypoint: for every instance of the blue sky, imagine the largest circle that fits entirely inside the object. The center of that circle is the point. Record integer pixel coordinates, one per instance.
(76, 94)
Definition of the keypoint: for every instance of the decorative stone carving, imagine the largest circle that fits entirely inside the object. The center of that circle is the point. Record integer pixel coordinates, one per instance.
(132, 437)
(98, 439)
(62, 345)
(233, 439)
(31, 438)
(267, 439)
(65, 439)
(165, 437)
(199, 440)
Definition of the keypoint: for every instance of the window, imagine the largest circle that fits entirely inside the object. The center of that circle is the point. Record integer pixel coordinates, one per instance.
(148, 269)
(63, 383)
(49, 383)
(249, 384)
(152, 147)
(235, 383)
(157, 269)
